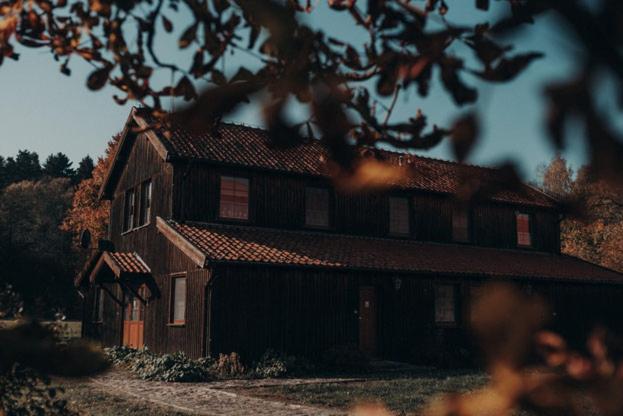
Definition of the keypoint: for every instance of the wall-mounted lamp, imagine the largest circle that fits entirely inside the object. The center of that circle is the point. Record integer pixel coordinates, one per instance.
(397, 283)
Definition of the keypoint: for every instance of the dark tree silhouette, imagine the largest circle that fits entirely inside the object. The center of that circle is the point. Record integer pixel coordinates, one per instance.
(24, 167)
(58, 166)
(84, 170)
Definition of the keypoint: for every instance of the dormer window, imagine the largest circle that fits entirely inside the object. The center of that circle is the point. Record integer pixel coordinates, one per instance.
(234, 202)
(399, 216)
(524, 235)
(316, 207)
(460, 225)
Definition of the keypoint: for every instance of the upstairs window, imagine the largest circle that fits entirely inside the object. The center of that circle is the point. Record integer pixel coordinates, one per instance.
(145, 206)
(524, 237)
(460, 225)
(129, 210)
(399, 216)
(316, 207)
(234, 202)
(445, 304)
(178, 300)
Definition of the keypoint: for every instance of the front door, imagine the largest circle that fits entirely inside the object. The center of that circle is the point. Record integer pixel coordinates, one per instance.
(368, 310)
(134, 322)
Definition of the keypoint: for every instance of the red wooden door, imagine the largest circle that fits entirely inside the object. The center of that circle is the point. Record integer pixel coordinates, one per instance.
(368, 320)
(134, 322)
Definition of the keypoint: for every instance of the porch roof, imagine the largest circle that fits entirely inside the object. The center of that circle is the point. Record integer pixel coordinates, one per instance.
(110, 266)
(217, 243)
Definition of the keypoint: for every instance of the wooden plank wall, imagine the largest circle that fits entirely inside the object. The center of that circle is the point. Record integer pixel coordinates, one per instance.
(305, 312)
(278, 200)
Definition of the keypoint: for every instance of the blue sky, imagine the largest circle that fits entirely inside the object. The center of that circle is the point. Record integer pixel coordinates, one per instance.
(45, 111)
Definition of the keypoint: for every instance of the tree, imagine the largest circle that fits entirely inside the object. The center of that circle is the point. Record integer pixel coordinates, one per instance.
(35, 255)
(24, 167)
(85, 169)
(2, 172)
(557, 177)
(87, 211)
(595, 232)
(341, 82)
(58, 166)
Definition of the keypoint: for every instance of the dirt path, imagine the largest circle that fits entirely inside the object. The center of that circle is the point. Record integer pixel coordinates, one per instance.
(210, 399)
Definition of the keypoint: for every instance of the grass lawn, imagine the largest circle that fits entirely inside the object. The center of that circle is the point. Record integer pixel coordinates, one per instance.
(91, 401)
(403, 394)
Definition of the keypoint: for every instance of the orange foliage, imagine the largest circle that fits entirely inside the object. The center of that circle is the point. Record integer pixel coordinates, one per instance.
(87, 211)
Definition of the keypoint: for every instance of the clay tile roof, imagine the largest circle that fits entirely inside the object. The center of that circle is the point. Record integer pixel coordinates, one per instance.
(129, 262)
(248, 146)
(240, 244)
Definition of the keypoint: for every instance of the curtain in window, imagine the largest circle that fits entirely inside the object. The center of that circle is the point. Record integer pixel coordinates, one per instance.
(234, 198)
(445, 304)
(179, 299)
(460, 225)
(523, 230)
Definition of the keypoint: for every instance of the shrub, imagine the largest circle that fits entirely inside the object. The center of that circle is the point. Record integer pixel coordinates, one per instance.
(273, 365)
(228, 366)
(345, 357)
(24, 392)
(176, 367)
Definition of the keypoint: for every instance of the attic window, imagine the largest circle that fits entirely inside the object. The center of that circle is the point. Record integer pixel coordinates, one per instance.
(316, 207)
(460, 225)
(445, 304)
(399, 216)
(524, 237)
(234, 202)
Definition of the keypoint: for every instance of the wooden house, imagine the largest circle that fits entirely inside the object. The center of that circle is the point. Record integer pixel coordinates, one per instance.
(220, 242)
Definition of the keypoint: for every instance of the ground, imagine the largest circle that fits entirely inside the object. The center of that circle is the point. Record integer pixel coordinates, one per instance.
(119, 393)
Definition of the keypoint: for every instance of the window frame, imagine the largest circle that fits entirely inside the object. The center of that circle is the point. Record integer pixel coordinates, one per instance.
(467, 211)
(99, 305)
(530, 218)
(455, 305)
(408, 216)
(328, 207)
(129, 210)
(172, 292)
(144, 214)
(221, 217)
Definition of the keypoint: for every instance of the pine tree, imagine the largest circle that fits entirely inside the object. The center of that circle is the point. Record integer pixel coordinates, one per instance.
(24, 167)
(58, 166)
(85, 169)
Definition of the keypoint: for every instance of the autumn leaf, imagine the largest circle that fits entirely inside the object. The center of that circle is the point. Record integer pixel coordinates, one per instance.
(368, 174)
(464, 136)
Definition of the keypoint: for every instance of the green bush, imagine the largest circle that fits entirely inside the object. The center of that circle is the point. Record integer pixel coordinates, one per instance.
(176, 367)
(345, 357)
(24, 392)
(275, 365)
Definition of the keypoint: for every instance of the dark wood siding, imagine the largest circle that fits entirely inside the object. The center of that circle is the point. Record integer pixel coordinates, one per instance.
(278, 200)
(305, 312)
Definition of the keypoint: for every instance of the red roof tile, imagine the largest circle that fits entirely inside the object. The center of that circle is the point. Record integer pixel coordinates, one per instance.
(129, 262)
(225, 243)
(248, 146)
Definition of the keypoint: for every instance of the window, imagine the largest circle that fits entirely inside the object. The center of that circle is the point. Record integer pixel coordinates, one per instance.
(128, 210)
(398, 215)
(524, 237)
(99, 305)
(178, 299)
(316, 207)
(145, 207)
(445, 307)
(234, 202)
(460, 225)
